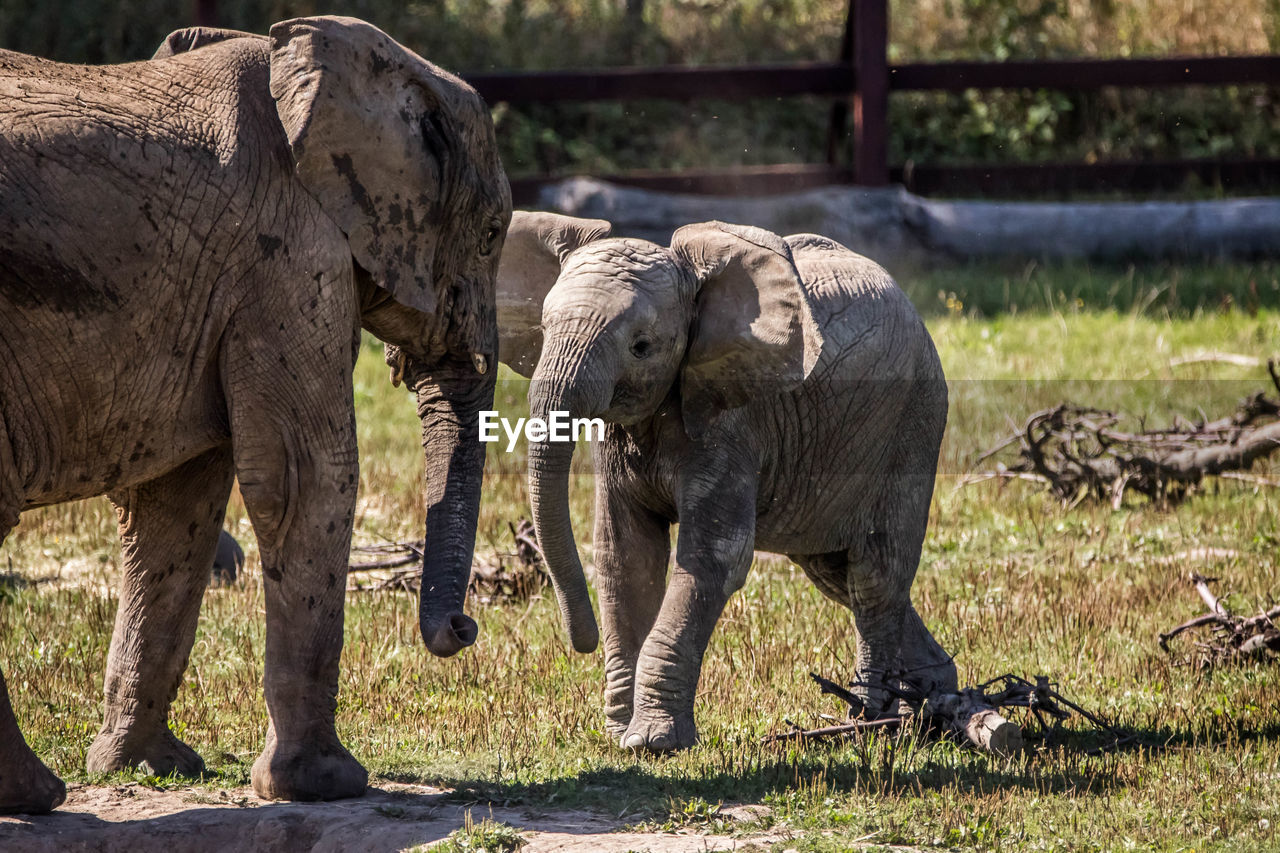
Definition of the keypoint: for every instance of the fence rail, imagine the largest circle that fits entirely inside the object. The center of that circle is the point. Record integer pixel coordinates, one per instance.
(1086, 73)
(860, 82)
(669, 83)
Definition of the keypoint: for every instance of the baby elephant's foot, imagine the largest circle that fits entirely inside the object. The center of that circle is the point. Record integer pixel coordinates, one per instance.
(617, 719)
(658, 731)
(308, 770)
(27, 786)
(157, 752)
(615, 729)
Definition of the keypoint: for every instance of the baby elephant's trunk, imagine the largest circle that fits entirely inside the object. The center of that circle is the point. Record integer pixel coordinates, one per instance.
(549, 498)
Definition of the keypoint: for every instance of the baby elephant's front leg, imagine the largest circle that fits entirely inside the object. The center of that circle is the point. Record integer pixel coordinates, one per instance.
(712, 559)
(632, 550)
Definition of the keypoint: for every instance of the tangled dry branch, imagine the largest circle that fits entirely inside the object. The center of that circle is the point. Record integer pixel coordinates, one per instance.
(516, 575)
(1079, 452)
(1231, 638)
(973, 713)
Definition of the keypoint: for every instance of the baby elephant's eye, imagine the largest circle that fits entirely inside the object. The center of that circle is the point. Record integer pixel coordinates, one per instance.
(641, 348)
(490, 240)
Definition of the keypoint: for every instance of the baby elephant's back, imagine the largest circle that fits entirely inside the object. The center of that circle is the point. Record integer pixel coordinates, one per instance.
(878, 380)
(871, 331)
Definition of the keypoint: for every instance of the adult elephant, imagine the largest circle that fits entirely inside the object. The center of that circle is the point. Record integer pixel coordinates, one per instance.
(188, 249)
(763, 393)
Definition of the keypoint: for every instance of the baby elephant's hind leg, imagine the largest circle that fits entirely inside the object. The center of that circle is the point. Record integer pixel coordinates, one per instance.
(894, 646)
(925, 665)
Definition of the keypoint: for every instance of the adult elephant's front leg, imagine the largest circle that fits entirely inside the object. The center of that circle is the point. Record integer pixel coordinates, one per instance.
(168, 532)
(713, 555)
(295, 456)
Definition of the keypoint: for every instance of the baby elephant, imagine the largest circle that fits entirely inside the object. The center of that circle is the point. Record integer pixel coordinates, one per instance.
(763, 393)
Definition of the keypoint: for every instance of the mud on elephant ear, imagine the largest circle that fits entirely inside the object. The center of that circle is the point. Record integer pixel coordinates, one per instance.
(402, 156)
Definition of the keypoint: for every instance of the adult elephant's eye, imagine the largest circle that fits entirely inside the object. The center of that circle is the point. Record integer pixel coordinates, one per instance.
(642, 348)
(490, 240)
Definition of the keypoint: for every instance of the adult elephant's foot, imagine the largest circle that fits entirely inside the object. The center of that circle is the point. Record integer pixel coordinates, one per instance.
(659, 731)
(27, 786)
(308, 770)
(158, 752)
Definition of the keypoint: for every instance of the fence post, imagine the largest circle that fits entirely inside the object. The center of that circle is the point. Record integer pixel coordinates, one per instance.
(871, 92)
(838, 126)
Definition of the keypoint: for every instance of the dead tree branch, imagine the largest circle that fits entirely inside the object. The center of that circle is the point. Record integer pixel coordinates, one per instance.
(516, 575)
(1079, 452)
(973, 713)
(1231, 638)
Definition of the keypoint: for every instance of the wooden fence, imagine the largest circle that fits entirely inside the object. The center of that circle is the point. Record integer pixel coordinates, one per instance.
(861, 81)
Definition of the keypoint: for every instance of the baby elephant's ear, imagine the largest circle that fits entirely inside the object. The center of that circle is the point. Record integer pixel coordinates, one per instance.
(535, 247)
(193, 38)
(754, 335)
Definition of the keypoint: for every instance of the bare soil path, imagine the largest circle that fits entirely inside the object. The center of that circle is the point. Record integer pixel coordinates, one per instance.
(389, 818)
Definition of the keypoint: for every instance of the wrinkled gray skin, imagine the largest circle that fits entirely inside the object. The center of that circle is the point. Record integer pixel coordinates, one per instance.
(781, 396)
(188, 249)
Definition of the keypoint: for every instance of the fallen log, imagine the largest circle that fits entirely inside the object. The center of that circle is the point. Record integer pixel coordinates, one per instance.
(969, 712)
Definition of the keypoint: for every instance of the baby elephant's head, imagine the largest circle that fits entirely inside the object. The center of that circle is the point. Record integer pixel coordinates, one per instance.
(607, 326)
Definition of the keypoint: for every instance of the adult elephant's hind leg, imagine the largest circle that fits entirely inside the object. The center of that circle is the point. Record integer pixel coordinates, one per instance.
(295, 457)
(26, 785)
(168, 532)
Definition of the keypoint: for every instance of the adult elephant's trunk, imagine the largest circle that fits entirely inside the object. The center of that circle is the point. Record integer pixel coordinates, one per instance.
(549, 486)
(450, 398)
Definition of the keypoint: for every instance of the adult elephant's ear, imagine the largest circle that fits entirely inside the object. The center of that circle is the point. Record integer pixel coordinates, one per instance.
(754, 334)
(372, 127)
(535, 248)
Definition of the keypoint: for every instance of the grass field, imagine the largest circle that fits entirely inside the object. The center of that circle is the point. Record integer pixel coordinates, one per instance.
(1011, 581)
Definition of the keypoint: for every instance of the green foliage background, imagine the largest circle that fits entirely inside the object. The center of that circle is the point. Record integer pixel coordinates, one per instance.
(475, 35)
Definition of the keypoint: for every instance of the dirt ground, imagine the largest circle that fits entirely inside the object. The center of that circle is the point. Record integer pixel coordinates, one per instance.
(390, 818)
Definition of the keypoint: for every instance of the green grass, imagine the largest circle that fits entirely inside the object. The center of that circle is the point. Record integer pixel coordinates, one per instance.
(487, 836)
(1010, 582)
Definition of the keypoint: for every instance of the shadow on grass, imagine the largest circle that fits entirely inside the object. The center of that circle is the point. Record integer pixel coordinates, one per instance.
(1071, 762)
